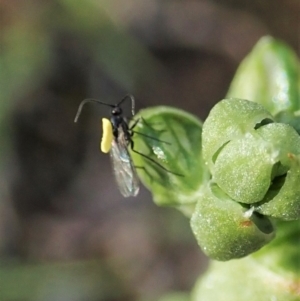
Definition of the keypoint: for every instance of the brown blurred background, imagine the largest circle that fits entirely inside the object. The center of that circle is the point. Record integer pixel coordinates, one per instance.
(66, 233)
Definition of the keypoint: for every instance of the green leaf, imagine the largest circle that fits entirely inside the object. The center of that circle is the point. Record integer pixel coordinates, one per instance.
(282, 254)
(178, 150)
(244, 280)
(269, 75)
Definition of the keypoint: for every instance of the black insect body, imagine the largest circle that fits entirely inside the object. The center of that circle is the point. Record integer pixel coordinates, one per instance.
(117, 136)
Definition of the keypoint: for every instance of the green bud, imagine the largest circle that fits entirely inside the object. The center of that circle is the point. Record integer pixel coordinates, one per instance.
(270, 76)
(225, 229)
(248, 168)
(283, 198)
(243, 169)
(272, 273)
(230, 119)
(291, 118)
(172, 138)
(254, 160)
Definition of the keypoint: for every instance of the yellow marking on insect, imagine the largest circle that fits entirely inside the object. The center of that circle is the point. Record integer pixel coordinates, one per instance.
(107, 136)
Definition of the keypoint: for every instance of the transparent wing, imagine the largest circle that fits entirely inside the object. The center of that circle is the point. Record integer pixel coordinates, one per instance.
(124, 170)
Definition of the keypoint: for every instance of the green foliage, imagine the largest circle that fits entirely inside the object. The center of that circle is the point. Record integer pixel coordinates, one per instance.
(269, 75)
(245, 279)
(177, 150)
(245, 190)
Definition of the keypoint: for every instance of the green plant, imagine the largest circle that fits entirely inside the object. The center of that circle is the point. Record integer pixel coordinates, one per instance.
(241, 170)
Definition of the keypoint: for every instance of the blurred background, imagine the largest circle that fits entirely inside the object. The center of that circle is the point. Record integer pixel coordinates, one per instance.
(66, 233)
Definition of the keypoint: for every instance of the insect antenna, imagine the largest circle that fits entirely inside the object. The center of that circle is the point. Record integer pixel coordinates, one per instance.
(86, 101)
(131, 98)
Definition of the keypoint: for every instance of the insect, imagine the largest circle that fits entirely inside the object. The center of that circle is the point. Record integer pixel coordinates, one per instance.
(116, 138)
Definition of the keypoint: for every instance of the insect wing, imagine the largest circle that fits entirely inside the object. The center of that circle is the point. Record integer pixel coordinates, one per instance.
(124, 170)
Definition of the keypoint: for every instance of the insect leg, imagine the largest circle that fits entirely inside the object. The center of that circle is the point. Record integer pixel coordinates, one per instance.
(150, 159)
(146, 172)
(150, 125)
(150, 137)
(134, 124)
